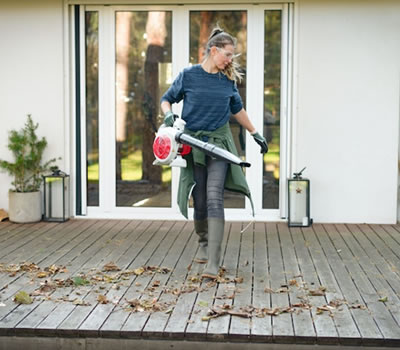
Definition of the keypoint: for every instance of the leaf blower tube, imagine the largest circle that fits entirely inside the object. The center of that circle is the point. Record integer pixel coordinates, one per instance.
(210, 149)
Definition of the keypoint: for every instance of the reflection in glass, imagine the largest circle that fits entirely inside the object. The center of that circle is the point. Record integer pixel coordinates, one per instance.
(235, 23)
(92, 106)
(143, 74)
(272, 102)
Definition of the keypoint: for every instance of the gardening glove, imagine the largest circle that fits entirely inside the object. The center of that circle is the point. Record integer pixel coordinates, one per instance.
(261, 142)
(169, 118)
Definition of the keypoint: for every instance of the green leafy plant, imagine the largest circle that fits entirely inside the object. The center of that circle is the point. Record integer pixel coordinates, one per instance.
(27, 149)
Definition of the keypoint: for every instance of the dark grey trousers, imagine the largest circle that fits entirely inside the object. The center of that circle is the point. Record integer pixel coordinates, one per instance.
(208, 194)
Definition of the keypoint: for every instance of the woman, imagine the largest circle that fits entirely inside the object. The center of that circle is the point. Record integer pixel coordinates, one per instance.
(210, 96)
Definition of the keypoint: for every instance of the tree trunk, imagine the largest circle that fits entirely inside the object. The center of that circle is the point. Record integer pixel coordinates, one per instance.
(204, 33)
(156, 33)
(122, 80)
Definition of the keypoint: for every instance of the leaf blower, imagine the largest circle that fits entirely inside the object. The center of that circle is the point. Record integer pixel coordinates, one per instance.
(171, 143)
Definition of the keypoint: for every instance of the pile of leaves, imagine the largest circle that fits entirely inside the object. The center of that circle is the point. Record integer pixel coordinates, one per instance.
(110, 273)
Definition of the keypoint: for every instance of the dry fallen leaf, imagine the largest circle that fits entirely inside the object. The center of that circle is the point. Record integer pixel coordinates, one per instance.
(42, 274)
(53, 269)
(321, 309)
(156, 283)
(111, 267)
(302, 305)
(44, 288)
(102, 299)
(80, 302)
(317, 292)
(271, 312)
(224, 296)
(337, 302)
(138, 271)
(141, 305)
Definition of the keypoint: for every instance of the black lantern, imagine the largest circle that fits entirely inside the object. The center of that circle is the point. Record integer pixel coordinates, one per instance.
(299, 201)
(56, 196)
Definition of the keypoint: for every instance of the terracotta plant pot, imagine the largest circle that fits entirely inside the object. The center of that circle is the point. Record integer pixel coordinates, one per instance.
(25, 207)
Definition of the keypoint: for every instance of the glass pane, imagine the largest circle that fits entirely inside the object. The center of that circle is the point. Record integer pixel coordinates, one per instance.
(272, 103)
(235, 23)
(143, 73)
(92, 106)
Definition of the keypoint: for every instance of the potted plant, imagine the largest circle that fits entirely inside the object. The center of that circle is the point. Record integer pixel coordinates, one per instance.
(27, 169)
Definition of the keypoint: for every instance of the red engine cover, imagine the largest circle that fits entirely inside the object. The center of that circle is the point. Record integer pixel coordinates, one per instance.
(185, 150)
(162, 146)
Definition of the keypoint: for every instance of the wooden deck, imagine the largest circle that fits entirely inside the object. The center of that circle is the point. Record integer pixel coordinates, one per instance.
(328, 284)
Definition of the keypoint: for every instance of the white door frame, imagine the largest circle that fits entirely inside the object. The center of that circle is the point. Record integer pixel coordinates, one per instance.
(180, 59)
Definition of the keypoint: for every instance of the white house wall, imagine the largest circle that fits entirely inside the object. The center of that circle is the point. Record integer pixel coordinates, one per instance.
(346, 98)
(347, 118)
(31, 75)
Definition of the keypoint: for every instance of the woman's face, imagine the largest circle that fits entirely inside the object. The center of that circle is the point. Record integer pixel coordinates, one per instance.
(223, 56)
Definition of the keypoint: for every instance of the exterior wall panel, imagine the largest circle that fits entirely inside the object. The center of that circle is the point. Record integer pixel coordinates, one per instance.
(348, 108)
(31, 71)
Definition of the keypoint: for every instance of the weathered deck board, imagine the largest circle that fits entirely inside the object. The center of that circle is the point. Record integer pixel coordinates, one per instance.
(261, 327)
(16, 317)
(156, 322)
(363, 273)
(323, 323)
(78, 316)
(182, 314)
(19, 282)
(15, 245)
(159, 282)
(240, 327)
(344, 322)
(355, 265)
(341, 264)
(195, 327)
(379, 276)
(165, 251)
(302, 318)
(282, 326)
(47, 308)
(218, 328)
(53, 320)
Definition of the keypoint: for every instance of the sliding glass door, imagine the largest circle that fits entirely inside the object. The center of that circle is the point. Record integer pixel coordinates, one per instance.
(132, 55)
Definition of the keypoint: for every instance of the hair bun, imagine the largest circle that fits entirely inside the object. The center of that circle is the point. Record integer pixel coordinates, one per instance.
(215, 32)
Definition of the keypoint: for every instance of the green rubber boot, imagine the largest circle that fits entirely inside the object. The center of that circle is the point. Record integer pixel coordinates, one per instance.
(201, 228)
(215, 235)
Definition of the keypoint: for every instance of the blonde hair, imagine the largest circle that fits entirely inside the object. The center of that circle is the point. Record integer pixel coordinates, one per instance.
(219, 38)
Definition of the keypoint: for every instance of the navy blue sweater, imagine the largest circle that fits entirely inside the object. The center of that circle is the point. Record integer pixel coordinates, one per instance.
(208, 99)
